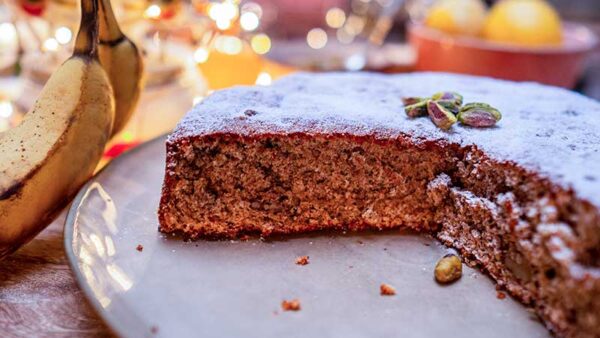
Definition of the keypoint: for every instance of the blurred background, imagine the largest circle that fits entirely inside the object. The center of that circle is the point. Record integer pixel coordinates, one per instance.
(192, 47)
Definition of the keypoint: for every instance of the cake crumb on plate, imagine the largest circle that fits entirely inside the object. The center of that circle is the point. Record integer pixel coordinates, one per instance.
(290, 305)
(302, 260)
(139, 247)
(387, 290)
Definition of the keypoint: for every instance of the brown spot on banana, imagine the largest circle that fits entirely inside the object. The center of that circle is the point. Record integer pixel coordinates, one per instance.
(11, 191)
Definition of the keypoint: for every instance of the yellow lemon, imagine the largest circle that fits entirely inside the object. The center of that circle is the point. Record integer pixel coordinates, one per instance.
(527, 22)
(457, 16)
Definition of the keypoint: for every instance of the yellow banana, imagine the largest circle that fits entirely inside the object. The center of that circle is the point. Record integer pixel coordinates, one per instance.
(50, 155)
(123, 63)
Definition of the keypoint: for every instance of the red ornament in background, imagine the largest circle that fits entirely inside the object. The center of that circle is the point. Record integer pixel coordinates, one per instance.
(119, 148)
(168, 9)
(33, 7)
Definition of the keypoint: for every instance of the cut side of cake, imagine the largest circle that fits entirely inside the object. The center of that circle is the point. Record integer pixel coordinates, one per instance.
(335, 151)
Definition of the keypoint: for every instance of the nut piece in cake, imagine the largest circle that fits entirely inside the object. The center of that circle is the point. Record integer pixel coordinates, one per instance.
(448, 269)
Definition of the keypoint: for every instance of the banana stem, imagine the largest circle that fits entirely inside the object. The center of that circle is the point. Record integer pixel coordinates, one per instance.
(87, 37)
(110, 32)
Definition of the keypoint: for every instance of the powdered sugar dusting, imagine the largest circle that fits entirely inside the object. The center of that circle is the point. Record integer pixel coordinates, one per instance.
(550, 130)
(471, 200)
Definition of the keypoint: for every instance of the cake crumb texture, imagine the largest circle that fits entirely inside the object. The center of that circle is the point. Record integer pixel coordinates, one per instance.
(520, 201)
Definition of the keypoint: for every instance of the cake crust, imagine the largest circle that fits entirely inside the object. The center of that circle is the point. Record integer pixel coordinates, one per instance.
(335, 151)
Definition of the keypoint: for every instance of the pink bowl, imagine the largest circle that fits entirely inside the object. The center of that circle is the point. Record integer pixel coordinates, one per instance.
(560, 66)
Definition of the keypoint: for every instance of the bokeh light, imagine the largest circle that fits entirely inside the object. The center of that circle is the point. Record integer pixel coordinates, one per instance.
(6, 109)
(153, 12)
(8, 33)
(261, 43)
(50, 45)
(63, 35)
(249, 21)
(228, 44)
(252, 7)
(201, 55)
(264, 79)
(343, 36)
(316, 38)
(335, 17)
(223, 14)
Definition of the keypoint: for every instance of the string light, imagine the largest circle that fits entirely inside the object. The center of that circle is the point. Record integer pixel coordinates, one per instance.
(264, 79)
(229, 11)
(260, 43)
(316, 38)
(63, 35)
(227, 44)
(8, 33)
(354, 24)
(201, 55)
(343, 36)
(153, 12)
(355, 62)
(6, 109)
(335, 17)
(254, 8)
(223, 24)
(223, 14)
(249, 21)
(50, 45)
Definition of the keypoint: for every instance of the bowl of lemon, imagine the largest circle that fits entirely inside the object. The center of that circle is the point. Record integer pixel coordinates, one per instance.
(520, 40)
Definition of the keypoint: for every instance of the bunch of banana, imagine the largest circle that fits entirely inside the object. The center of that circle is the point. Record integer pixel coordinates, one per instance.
(50, 155)
(123, 63)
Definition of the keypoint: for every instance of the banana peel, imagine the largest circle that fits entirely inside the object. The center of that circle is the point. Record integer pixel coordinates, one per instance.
(123, 63)
(47, 158)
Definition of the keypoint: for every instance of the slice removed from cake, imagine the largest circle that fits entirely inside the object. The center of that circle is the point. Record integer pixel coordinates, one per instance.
(336, 151)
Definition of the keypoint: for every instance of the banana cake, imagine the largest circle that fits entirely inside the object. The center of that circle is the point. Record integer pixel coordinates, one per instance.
(520, 200)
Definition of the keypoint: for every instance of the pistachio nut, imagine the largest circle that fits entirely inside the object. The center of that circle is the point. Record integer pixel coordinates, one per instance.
(417, 109)
(452, 97)
(448, 269)
(450, 105)
(440, 115)
(410, 100)
(479, 115)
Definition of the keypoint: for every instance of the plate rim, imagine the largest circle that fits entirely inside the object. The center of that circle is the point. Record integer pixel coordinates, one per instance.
(69, 230)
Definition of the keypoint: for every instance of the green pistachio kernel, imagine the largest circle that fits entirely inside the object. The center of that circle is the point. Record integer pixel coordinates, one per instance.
(441, 116)
(453, 97)
(417, 109)
(479, 115)
(448, 269)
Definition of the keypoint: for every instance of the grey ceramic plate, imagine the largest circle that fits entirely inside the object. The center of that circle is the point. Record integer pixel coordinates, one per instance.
(234, 289)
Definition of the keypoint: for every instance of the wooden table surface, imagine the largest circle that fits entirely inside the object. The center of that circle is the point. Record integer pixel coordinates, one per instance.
(39, 295)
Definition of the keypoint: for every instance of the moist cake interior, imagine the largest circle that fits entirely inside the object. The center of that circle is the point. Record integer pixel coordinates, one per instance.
(336, 151)
(495, 214)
